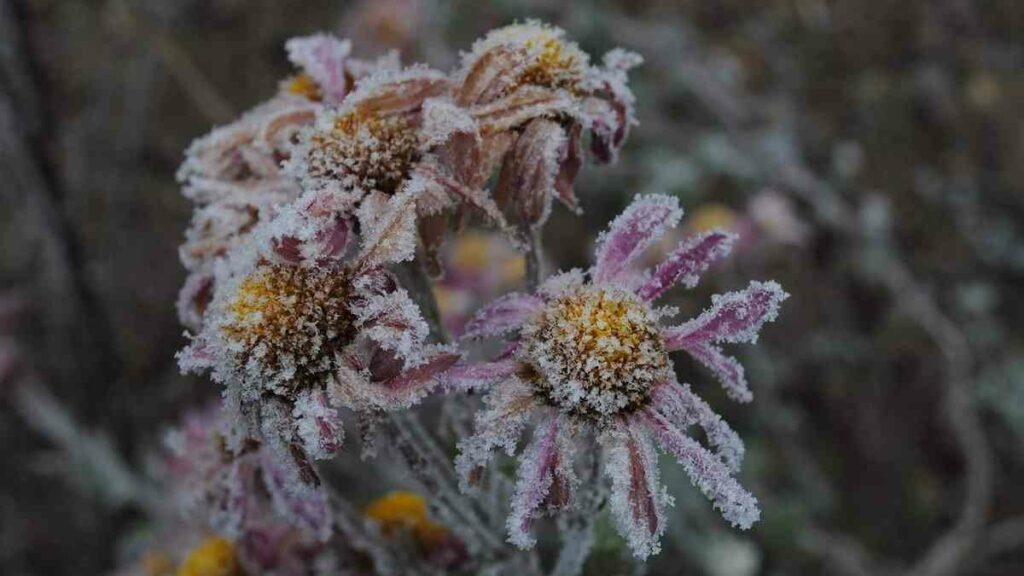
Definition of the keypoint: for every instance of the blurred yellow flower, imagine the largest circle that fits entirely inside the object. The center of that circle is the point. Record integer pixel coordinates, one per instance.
(401, 510)
(215, 556)
(710, 216)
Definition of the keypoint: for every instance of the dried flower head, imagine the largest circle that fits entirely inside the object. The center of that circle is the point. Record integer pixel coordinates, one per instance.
(234, 175)
(588, 355)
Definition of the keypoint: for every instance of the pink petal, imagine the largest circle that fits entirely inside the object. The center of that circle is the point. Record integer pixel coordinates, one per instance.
(414, 380)
(735, 317)
(318, 424)
(472, 376)
(638, 500)
(709, 474)
(302, 502)
(323, 57)
(632, 232)
(687, 262)
(682, 408)
(543, 477)
(728, 370)
(506, 314)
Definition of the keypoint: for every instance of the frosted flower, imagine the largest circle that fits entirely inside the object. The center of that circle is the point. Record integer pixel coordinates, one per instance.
(295, 331)
(386, 139)
(261, 523)
(588, 355)
(530, 88)
(234, 175)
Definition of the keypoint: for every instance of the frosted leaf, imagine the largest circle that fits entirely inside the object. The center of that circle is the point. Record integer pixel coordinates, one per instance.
(734, 318)
(317, 424)
(505, 314)
(682, 408)
(391, 319)
(508, 408)
(441, 119)
(388, 230)
(638, 500)
(545, 478)
(639, 225)
(687, 262)
(323, 57)
(707, 472)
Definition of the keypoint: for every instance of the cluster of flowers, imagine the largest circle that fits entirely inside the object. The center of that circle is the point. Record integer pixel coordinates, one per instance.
(307, 206)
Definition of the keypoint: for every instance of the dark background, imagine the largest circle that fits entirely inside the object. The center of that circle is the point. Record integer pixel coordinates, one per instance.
(887, 429)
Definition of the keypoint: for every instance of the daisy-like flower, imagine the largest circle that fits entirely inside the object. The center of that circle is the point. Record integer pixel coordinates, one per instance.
(234, 174)
(386, 139)
(588, 357)
(295, 331)
(533, 91)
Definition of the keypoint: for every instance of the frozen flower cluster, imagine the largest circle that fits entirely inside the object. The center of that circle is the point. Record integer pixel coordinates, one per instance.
(320, 222)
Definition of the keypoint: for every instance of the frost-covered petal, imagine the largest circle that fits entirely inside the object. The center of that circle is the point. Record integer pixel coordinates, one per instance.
(509, 406)
(442, 118)
(531, 169)
(503, 315)
(521, 106)
(631, 232)
(638, 500)
(735, 317)
(323, 57)
(681, 407)
(411, 385)
(388, 228)
(286, 475)
(609, 130)
(478, 375)
(727, 369)
(545, 477)
(687, 262)
(317, 424)
(707, 472)
(391, 319)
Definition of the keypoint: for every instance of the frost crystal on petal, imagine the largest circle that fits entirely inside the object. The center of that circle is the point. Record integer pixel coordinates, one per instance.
(683, 408)
(508, 409)
(709, 474)
(632, 232)
(545, 476)
(323, 57)
(503, 315)
(638, 499)
(687, 262)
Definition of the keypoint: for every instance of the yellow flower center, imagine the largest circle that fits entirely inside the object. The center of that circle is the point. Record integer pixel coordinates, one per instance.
(595, 352)
(365, 151)
(556, 64)
(213, 557)
(289, 322)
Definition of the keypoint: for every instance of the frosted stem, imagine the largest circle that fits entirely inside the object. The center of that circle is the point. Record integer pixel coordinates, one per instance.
(534, 259)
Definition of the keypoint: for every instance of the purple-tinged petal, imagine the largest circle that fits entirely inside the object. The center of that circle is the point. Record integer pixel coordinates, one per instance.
(687, 262)
(498, 425)
(286, 475)
(472, 376)
(631, 232)
(735, 317)
(413, 383)
(318, 424)
(544, 477)
(681, 407)
(707, 472)
(323, 57)
(638, 499)
(727, 370)
(503, 315)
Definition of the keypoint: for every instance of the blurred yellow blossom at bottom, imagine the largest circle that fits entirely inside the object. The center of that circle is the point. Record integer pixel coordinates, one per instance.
(213, 557)
(401, 510)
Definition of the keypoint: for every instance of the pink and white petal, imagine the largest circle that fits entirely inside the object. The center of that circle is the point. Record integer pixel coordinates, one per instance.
(388, 229)
(323, 57)
(735, 317)
(301, 501)
(505, 314)
(681, 407)
(687, 262)
(413, 384)
(545, 476)
(639, 225)
(707, 472)
(392, 320)
(479, 375)
(317, 424)
(727, 370)
(560, 283)
(508, 408)
(638, 500)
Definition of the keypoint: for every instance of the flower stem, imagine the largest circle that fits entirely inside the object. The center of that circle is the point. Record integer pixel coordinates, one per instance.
(415, 279)
(534, 259)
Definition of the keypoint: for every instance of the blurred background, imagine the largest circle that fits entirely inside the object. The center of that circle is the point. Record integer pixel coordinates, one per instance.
(869, 152)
